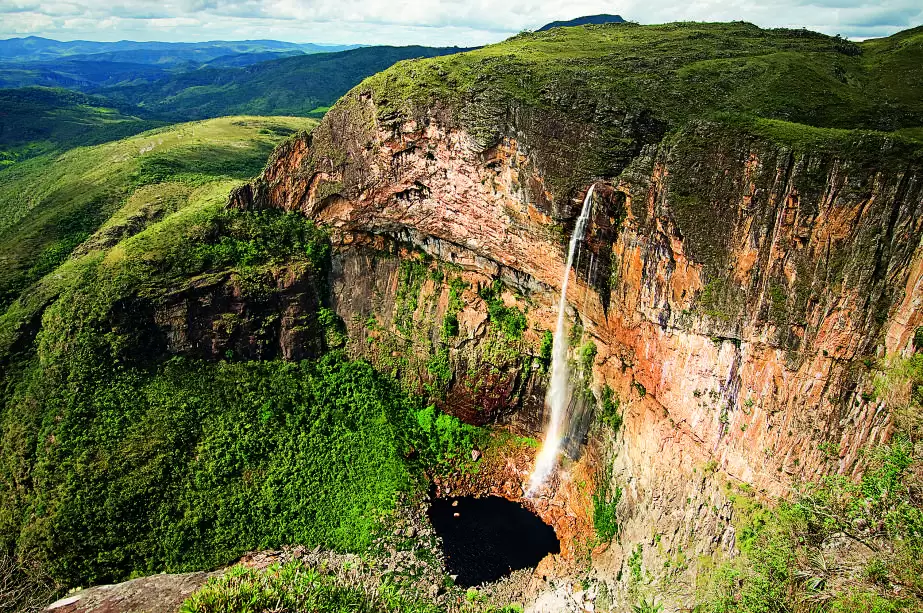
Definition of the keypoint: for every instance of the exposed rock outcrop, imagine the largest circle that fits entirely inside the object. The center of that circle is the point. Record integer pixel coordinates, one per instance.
(734, 287)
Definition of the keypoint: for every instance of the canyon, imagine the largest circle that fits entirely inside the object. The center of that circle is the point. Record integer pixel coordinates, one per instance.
(375, 316)
(736, 289)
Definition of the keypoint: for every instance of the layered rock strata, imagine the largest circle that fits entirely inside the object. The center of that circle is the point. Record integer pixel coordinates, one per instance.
(736, 291)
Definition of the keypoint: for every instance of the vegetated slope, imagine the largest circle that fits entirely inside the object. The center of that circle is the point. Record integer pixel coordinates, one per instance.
(750, 156)
(78, 75)
(93, 71)
(49, 205)
(294, 85)
(623, 85)
(36, 120)
(147, 422)
(85, 65)
(583, 21)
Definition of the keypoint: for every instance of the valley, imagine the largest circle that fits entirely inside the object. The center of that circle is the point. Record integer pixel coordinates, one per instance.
(282, 358)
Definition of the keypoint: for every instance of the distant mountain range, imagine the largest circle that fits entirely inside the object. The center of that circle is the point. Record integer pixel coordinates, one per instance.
(121, 98)
(87, 65)
(583, 21)
(286, 86)
(127, 86)
(37, 49)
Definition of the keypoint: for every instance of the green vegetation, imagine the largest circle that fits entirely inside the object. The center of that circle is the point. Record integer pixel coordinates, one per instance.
(605, 501)
(48, 206)
(300, 85)
(119, 458)
(712, 297)
(586, 356)
(876, 526)
(39, 120)
(295, 586)
(510, 320)
(184, 464)
(546, 346)
(636, 574)
(797, 87)
(609, 411)
(682, 70)
(647, 606)
(443, 438)
(453, 308)
(899, 383)
(35, 49)
(411, 275)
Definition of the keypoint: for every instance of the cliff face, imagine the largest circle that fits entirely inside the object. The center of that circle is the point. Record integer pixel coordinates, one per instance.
(739, 283)
(736, 285)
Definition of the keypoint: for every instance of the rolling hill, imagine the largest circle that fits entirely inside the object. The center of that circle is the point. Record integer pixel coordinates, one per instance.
(287, 86)
(583, 21)
(37, 49)
(49, 205)
(37, 120)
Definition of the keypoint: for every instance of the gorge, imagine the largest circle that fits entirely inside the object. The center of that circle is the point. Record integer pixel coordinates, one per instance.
(387, 307)
(744, 269)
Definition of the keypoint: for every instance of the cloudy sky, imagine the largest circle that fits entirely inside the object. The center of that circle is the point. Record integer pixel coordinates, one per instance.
(431, 22)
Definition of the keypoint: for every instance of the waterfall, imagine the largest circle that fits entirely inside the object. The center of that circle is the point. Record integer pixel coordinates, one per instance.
(560, 390)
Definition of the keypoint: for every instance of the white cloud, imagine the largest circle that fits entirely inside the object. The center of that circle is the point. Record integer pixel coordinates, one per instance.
(419, 21)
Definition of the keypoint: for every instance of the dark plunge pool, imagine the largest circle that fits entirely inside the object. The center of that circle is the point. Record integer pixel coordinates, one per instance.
(487, 538)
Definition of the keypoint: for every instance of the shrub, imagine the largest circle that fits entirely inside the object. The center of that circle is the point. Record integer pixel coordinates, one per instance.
(285, 587)
(510, 320)
(587, 355)
(609, 413)
(605, 521)
(544, 350)
(297, 587)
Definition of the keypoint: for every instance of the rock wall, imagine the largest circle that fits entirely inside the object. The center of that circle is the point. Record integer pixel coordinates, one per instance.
(737, 290)
(272, 312)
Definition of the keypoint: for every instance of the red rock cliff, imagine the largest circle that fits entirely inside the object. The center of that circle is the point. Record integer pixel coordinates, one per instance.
(737, 290)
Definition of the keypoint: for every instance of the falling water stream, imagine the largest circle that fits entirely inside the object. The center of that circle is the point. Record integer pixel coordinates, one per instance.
(561, 388)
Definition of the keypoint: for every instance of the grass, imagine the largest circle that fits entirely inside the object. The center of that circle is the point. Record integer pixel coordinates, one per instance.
(681, 70)
(40, 120)
(49, 205)
(605, 502)
(302, 85)
(838, 546)
(511, 321)
(295, 586)
(611, 89)
(118, 458)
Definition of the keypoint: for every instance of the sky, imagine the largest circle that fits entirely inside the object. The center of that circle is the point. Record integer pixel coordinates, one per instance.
(426, 22)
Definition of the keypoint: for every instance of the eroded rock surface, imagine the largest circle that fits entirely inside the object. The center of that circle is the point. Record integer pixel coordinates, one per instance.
(734, 289)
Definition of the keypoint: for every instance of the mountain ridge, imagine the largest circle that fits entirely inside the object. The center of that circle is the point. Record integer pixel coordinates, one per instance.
(599, 19)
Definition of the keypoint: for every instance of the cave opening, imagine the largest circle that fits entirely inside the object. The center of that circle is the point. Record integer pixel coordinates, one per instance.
(486, 539)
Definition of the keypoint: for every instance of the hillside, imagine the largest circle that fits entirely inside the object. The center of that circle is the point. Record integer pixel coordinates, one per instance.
(745, 329)
(80, 75)
(583, 21)
(36, 121)
(713, 231)
(38, 49)
(643, 80)
(51, 204)
(293, 85)
(171, 395)
(62, 65)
